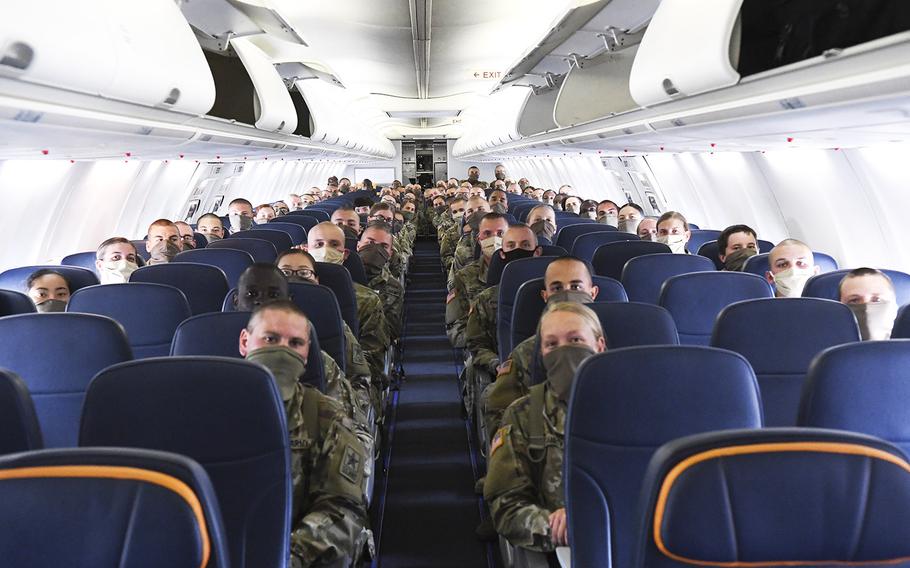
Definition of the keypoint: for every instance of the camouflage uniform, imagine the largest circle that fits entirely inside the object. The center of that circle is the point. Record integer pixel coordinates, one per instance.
(474, 183)
(327, 508)
(524, 478)
(447, 243)
(464, 254)
(468, 283)
(480, 331)
(392, 293)
(512, 382)
(374, 331)
(354, 402)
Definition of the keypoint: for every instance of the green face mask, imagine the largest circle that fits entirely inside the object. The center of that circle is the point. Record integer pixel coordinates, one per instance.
(576, 296)
(561, 365)
(408, 215)
(286, 365)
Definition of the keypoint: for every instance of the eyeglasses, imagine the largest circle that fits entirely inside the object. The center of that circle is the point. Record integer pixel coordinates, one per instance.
(305, 273)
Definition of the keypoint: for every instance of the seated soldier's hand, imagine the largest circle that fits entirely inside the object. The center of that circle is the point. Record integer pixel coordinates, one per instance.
(559, 528)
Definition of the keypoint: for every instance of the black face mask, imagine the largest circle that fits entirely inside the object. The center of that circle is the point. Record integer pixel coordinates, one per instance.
(517, 253)
(350, 232)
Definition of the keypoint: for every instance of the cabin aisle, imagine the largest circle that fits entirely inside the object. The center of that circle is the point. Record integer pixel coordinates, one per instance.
(430, 510)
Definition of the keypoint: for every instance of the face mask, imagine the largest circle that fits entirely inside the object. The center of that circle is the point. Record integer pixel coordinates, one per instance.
(875, 320)
(609, 219)
(349, 232)
(49, 306)
(282, 211)
(211, 237)
(547, 200)
(544, 228)
(327, 254)
(117, 271)
(489, 245)
(457, 215)
(590, 214)
(500, 175)
(397, 226)
(162, 252)
(575, 296)
(736, 260)
(408, 215)
(499, 207)
(561, 365)
(790, 283)
(677, 243)
(240, 222)
(286, 365)
(628, 225)
(473, 220)
(374, 258)
(571, 208)
(440, 209)
(515, 254)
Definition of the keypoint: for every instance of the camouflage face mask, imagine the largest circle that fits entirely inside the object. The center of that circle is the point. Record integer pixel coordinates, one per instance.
(286, 365)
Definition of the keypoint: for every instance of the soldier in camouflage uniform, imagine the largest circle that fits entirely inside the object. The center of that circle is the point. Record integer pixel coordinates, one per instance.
(327, 460)
(524, 484)
(566, 279)
(375, 249)
(450, 231)
(474, 211)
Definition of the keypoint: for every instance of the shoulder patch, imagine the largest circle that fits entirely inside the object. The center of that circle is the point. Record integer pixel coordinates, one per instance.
(451, 296)
(351, 465)
(505, 368)
(499, 438)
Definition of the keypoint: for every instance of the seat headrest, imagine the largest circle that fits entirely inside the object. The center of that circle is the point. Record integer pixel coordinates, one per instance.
(776, 497)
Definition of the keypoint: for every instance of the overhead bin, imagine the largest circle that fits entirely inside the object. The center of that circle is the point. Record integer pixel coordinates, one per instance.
(537, 114)
(139, 52)
(272, 106)
(596, 88)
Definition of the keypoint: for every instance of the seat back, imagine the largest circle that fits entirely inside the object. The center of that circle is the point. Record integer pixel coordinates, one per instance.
(860, 387)
(514, 275)
(780, 337)
(643, 276)
(260, 249)
(497, 264)
(826, 285)
(12, 303)
(15, 278)
(84, 260)
(303, 221)
(231, 261)
(297, 232)
(529, 305)
(19, 429)
(901, 328)
(203, 285)
(279, 239)
(200, 240)
(759, 264)
(553, 250)
(109, 507)
(149, 313)
(586, 245)
(166, 404)
(700, 237)
(695, 300)
(313, 212)
(337, 279)
(633, 324)
(141, 250)
(624, 405)
(218, 335)
(711, 250)
(78, 346)
(611, 258)
(566, 235)
(775, 497)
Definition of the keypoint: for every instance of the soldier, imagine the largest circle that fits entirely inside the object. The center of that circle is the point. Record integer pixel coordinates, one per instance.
(524, 484)
(163, 242)
(542, 220)
(474, 178)
(450, 232)
(327, 461)
(349, 221)
(375, 249)
(499, 201)
(567, 279)
(474, 211)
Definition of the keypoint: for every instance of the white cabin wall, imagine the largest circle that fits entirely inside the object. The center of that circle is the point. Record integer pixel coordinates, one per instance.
(348, 170)
(585, 173)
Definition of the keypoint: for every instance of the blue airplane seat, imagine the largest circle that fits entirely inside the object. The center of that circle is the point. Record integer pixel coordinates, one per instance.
(694, 227)
(759, 264)
(149, 313)
(231, 261)
(699, 237)
(19, 429)
(609, 259)
(901, 329)
(313, 212)
(780, 337)
(218, 335)
(826, 285)
(624, 405)
(201, 240)
(567, 234)
(643, 276)
(203, 285)
(12, 303)
(355, 266)
(553, 250)
(529, 305)
(140, 249)
(350, 243)
(695, 300)
(280, 240)
(497, 264)
(303, 221)
(514, 275)
(260, 249)
(774, 497)
(586, 245)
(321, 308)
(860, 387)
(15, 278)
(84, 260)
(57, 354)
(633, 324)
(337, 278)
(564, 220)
(297, 232)
(109, 507)
(223, 413)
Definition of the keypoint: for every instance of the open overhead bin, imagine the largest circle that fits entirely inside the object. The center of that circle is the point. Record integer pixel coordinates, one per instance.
(272, 105)
(140, 52)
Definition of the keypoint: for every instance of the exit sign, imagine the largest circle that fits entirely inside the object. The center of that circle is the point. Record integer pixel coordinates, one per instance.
(487, 74)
